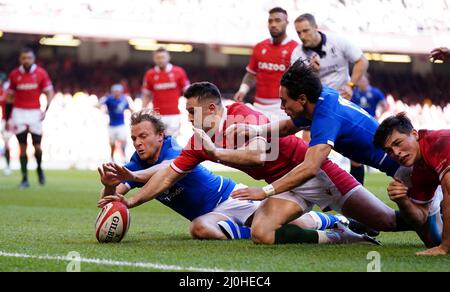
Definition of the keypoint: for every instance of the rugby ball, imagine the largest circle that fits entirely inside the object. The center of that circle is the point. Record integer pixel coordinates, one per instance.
(112, 223)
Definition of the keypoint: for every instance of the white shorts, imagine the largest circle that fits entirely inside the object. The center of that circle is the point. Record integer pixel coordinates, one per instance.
(236, 210)
(6, 135)
(27, 119)
(173, 123)
(271, 111)
(320, 191)
(118, 133)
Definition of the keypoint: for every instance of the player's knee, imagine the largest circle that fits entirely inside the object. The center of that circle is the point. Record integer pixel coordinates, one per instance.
(261, 235)
(200, 231)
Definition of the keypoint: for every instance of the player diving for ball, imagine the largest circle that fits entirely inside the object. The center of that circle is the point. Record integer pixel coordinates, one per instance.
(329, 189)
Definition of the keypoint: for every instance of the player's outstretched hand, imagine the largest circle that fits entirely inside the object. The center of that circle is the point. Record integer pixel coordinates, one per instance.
(251, 194)
(435, 251)
(397, 191)
(108, 199)
(120, 172)
(107, 176)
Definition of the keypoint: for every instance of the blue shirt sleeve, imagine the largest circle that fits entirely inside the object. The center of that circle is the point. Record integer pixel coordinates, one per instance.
(324, 130)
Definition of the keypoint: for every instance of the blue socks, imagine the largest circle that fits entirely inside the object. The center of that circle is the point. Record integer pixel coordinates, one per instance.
(234, 231)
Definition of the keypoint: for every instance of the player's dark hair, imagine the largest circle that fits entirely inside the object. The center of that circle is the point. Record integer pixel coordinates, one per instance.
(204, 91)
(26, 50)
(301, 79)
(149, 116)
(161, 49)
(278, 10)
(400, 122)
(307, 17)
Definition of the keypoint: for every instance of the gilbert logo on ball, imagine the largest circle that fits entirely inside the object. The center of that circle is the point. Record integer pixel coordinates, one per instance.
(112, 223)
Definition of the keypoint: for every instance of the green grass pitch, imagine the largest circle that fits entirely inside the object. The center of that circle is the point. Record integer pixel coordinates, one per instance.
(40, 224)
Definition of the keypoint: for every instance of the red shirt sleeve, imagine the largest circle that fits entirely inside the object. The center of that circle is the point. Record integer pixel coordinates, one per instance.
(190, 157)
(437, 156)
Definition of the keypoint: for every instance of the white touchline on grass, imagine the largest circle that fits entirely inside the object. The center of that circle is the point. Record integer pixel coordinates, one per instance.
(114, 263)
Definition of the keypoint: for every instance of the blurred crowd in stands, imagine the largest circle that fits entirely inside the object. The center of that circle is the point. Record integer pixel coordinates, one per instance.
(375, 16)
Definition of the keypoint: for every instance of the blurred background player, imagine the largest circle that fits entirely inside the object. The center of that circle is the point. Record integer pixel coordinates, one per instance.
(441, 53)
(164, 84)
(331, 56)
(269, 60)
(117, 103)
(4, 128)
(428, 153)
(26, 84)
(369, 97)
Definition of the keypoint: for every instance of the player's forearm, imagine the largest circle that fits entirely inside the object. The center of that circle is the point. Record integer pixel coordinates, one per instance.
(143, 176)
(146, 99)
(280, 129)
(50, 94)
(294, 178)
(414, 214)
(359, 69)
(249, 79)
(240, 157)
(108, 191)
(159, 183)
(314, 158)
(445, 207)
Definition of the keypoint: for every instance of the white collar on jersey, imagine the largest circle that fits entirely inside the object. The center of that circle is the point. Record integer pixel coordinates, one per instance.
(167, 70)
(33, 68)
(286, 40)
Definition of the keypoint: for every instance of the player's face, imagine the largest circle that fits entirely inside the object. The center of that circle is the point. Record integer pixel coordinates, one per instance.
(26, 59)
(202, 115)
(146, 140)
(116, 93)
(307, 33)
(403, 148)
(293, 108)
(277, 24)
(161, 59)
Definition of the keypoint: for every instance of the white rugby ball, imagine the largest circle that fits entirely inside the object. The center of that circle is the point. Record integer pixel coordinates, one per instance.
(112, 223)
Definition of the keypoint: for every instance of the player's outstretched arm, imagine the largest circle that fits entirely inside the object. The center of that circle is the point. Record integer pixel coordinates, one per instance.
(444, 247)
(159, 183)
(314, 158)
(141, 176)
(280, 129)
(252, 154)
